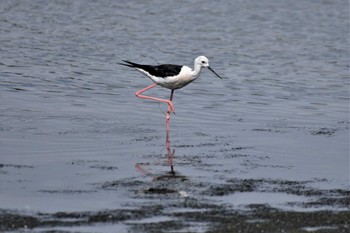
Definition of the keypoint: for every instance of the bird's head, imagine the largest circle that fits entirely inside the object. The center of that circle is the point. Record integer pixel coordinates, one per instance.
(202, 61)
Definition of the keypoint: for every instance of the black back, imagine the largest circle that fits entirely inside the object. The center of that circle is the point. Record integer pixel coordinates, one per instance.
(163, 71)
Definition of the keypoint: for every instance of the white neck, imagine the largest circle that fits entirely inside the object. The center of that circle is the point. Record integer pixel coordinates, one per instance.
(196, 71)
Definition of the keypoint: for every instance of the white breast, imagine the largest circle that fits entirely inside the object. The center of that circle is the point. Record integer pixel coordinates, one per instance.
(178, 81)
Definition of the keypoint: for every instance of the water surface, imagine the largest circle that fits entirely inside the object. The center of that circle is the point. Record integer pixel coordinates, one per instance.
(74, 138)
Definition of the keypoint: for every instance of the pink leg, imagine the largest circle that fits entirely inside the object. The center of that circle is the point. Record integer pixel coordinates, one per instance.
(169, 102)
(168, 112)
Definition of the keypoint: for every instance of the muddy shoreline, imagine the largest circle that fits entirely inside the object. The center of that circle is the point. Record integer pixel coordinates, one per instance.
(167, 209)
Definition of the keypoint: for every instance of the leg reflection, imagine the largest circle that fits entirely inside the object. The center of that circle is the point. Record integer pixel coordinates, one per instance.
(170, 154)
(142, 167)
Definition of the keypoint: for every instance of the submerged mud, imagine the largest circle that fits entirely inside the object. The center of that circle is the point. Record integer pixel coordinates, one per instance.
(168, 204)
(210, 183)
(198, 186)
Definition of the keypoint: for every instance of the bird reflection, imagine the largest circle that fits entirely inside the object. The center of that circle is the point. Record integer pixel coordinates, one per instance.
(171, 174)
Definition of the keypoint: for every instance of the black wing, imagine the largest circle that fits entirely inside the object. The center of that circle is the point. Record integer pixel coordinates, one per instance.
(163, 71)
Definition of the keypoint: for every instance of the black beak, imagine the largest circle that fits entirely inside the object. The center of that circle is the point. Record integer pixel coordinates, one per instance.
(213, 71)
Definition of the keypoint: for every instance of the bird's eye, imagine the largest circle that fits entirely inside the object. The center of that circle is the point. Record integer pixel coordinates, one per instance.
(203, 62)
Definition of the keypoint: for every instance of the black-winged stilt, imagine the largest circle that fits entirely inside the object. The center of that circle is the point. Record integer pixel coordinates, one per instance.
(169, 76)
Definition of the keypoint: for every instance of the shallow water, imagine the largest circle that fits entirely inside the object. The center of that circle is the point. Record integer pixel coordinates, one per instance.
(73, 137)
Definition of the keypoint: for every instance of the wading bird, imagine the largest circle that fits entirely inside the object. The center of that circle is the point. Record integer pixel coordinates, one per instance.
(170, 76)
